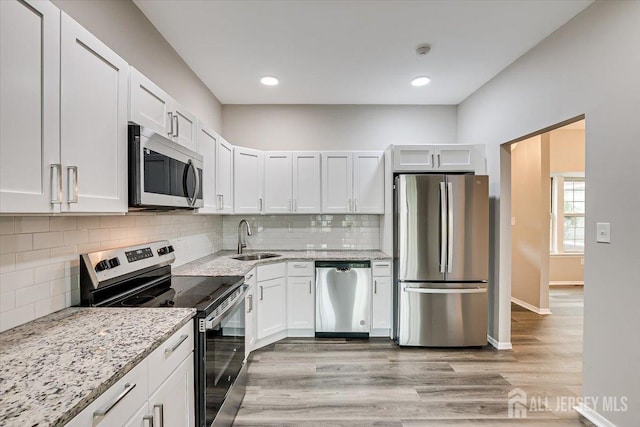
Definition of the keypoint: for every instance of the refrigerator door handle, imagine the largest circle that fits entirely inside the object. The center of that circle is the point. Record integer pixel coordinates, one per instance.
(443, 227)
(449, 227)
(446, 291)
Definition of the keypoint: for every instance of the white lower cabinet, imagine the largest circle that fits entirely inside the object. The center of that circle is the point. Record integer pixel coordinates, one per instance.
(172, 404)
(271, 308)
(301, 298)
(159, 391)
(381, 299)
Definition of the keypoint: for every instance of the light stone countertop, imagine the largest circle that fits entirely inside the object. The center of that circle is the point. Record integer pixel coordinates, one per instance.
(221, 263)
(54, 367)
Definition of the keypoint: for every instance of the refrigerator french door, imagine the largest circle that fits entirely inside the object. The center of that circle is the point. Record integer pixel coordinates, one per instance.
(441, 245)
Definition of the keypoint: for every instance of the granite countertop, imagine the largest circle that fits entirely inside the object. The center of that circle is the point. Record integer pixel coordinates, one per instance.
(221, 263)
(54, 367)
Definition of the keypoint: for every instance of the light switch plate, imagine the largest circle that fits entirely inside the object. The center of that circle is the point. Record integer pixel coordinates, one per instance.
(603, 232)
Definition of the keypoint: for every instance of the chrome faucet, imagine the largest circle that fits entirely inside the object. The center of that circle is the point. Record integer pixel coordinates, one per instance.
(241, 244)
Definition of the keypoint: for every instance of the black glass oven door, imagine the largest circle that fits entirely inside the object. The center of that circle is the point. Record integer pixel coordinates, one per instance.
(224, 357)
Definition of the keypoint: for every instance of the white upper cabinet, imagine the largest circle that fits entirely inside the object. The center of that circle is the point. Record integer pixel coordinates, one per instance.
(153, 108)
(224, 176)
(248, 180)
(292, 182)
(30, 173)
(337, 182)
(277, 182)
(353, 182)
(149, 106)
(368, 182)
(446, 158)
(93, 122)
(307, 194)
(207, 140)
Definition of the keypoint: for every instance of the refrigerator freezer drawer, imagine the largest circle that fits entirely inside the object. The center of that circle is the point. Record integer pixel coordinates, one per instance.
(443, 317)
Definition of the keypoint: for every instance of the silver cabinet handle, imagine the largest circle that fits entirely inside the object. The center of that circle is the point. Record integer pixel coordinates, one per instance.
(219, 205)
(289, 206)
(446, 291)
(249, 276)
(355, 205)
(381, 265)
(260, 204)
(350, 205)
(170, 114)
(295, 205)
(250, 308)
(104, 411)
(433, 163)
(375, 286)
(148, 420)
(310, 291)
(439, 162)
(261, 293)
(177, 135)
(168, 351)
(160, 408)
(58, 188)
(72, 189)
(443, 226)
(222, 199)
(450, 227)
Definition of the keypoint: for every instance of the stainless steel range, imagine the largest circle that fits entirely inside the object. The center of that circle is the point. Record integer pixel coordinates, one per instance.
(140, 276)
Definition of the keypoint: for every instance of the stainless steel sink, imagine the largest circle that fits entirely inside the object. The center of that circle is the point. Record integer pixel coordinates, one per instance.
(254, 257)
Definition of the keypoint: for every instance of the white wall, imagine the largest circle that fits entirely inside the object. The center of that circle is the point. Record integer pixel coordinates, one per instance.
(589, 66)
(127, 31)
(337, 127)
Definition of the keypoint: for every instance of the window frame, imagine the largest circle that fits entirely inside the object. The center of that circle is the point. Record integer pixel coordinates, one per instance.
(557, 212)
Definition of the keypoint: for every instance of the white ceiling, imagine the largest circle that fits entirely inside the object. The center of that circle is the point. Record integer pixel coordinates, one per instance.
(352, 52)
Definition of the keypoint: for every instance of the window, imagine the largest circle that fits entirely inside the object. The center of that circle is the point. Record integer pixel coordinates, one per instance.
(568, 207)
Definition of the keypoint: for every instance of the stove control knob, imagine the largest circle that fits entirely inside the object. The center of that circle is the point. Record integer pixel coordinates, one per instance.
(170, 248)
(102, 265)
(114, 262)
(163, 251)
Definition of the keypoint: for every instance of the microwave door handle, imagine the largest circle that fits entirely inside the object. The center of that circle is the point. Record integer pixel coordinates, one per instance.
(190, 200)
(196, 176)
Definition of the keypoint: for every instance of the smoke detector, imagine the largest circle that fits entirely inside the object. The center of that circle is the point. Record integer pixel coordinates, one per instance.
(423, 49)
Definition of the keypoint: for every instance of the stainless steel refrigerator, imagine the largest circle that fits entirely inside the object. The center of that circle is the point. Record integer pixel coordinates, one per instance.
(441, 246)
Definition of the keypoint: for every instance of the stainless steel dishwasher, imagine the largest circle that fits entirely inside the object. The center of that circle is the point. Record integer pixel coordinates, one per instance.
(343, 299)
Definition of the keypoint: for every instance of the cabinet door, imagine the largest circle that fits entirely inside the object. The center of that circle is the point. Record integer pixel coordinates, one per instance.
(301, 303)
(186, 128)
(248, 179)
(93, 127)
(381, 303)
(337, 185)
(142, 418)
(455, 157)
(271, 307)
(224, 176)
(173, 403)
(277, 182)
(149, 106)
(307, 195)
(368, 182)
(30, 174)
(413, 158)
(206, 143)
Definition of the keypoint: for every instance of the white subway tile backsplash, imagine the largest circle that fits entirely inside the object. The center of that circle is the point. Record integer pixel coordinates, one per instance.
(39, 261)
(12, 243)
(31, 294)
(31, 224)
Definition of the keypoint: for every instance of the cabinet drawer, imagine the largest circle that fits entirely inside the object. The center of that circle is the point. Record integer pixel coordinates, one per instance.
(382, 268)
(166, 358)
(120, 402)
(271, 271)
(300, 269)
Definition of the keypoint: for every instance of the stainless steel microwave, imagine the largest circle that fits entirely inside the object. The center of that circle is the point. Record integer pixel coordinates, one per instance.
(163, 175)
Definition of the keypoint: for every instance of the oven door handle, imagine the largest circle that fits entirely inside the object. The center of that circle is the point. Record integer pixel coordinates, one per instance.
(212, 322)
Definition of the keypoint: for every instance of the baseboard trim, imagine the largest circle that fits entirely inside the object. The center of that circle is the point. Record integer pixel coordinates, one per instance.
(541, 311)
(566, 283)
(499, 345)
(593, 416)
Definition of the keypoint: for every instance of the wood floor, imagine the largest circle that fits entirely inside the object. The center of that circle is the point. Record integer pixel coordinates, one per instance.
(322, 382)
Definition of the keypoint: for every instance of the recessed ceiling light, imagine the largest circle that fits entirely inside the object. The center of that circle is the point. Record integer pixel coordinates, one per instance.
(269, 81)
(420, 81)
